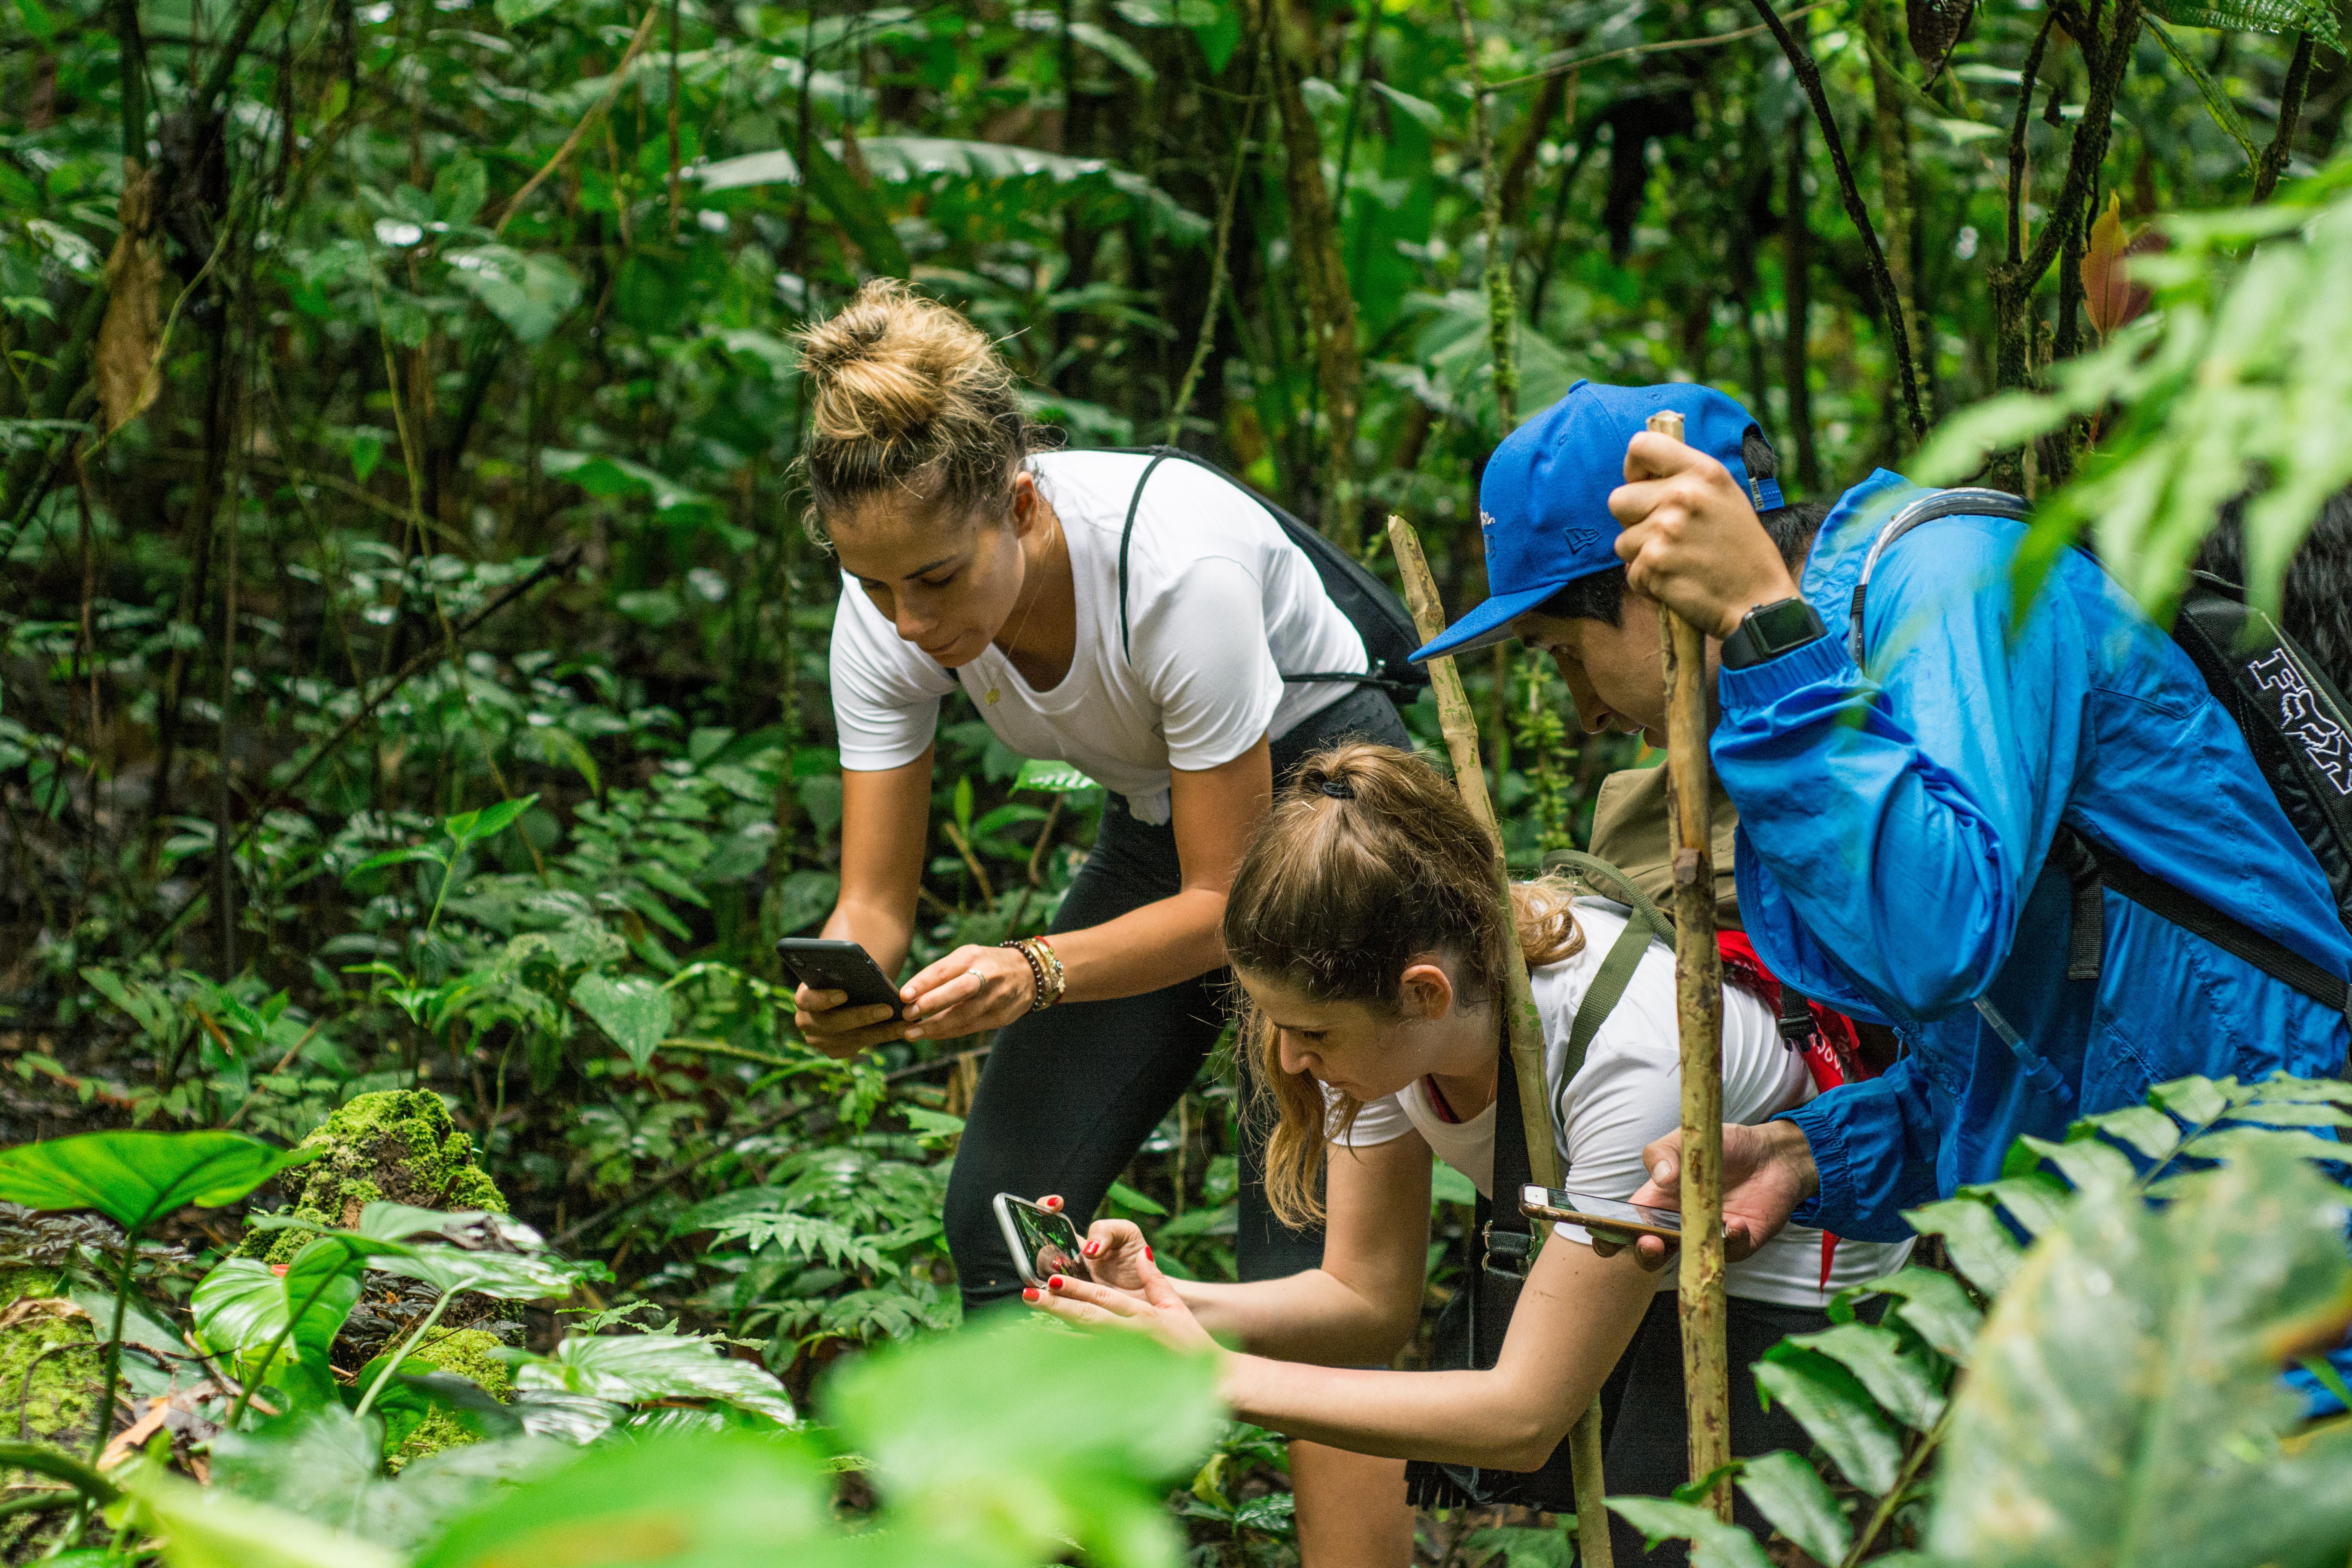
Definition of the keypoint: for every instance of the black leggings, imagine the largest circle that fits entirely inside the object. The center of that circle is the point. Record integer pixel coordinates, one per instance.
(1644, 1424)
(1070, 1094)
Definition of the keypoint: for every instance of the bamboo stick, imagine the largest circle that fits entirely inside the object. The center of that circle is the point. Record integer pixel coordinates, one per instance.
(1698, 988)
(1460, 726)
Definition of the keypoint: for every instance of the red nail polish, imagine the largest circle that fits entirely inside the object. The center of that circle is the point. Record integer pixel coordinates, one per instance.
(1147, 1253)
(1031, 1295)
(1055, 1283)
(1090, 1248)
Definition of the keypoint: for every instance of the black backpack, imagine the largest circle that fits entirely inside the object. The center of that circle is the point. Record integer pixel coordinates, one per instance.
(1390, 637)
(2294, 721)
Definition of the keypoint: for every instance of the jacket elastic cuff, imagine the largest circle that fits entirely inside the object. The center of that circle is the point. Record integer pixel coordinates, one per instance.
(1823, 659)
(1828, 1142)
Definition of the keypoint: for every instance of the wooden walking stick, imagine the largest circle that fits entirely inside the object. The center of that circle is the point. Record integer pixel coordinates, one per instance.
(1699, 997)
(1461, 729)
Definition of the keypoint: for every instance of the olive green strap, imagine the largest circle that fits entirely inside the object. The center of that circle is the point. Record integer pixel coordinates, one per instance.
(1616, 972)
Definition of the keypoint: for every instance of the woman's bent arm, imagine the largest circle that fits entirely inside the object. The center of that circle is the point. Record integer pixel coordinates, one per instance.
(1214, 811)
(1574, 1319)
(1363, 1304)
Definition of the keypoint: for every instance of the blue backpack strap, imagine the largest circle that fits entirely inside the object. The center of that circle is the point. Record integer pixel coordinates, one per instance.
(1968, 502)
(1127, 537)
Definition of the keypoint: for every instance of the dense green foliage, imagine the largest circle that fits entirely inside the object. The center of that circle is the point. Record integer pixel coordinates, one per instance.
(411, 673)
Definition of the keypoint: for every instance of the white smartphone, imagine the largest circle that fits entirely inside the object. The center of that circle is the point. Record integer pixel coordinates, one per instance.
(1612, 1215)
(1043, 1241)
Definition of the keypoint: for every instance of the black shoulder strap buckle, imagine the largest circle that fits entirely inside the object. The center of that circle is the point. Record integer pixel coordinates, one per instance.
(1512, 1248)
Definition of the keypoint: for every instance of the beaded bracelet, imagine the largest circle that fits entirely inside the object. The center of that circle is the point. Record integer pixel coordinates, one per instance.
(1045, 972)
(1036, 973)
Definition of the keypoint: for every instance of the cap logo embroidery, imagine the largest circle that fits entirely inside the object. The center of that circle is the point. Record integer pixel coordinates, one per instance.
(1578, 539)
(1487, 521)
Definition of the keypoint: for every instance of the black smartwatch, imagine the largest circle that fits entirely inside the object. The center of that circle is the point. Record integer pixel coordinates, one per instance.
(1767, 631)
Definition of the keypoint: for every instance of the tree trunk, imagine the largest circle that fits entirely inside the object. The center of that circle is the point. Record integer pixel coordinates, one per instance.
(1330, 308)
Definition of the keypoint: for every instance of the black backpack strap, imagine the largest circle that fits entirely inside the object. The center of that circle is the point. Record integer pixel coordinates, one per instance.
(2194, 915)
(1127, 537)
(1508, 1238)
(1964, 502)
(1323, 557)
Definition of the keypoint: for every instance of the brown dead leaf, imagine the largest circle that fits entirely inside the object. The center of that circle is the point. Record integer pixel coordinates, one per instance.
(133, 1438)
(130, 341)
(2109, 296)
(26, 1308)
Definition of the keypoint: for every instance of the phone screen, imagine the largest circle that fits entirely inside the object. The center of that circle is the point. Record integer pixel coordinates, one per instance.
(1044, 1243)
(827, 965)
(1584, 1208)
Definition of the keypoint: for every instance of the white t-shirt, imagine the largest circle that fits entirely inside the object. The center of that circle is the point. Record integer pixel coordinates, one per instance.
(1220, 605)
(1628, 1092)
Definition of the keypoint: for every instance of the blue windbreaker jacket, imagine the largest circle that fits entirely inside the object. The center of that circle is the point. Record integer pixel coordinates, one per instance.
(1893, 827)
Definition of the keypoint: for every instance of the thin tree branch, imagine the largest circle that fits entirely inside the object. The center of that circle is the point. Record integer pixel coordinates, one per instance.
(1220, 265)
(2273, 159)
(1890, 303)
(587, 121)
(1566, 63)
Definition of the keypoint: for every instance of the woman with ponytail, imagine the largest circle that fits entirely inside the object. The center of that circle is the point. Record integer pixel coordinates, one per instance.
(1140, 622)
(1363, 926)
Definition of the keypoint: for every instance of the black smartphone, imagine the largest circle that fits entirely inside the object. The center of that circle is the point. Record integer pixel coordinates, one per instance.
(826, 965)
(1043, 1241)
(1610, 1215)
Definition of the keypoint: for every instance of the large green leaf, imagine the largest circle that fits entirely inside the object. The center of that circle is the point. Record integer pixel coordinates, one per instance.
(634, 1010)
(1714, 1544)
(136, 1178)
(2252, 16)
(634, 1367)
(1932, 1304)
(1974, 1234)
(1835, 1411)
(510, 1276)
(243, 1307)
(327, 1466)
(911, 160)
(530, 291)
(2123, 1405)
(211, 1527)
(706, 1500)
(1904, 1385)
(1789, 1492)
(957, 1430)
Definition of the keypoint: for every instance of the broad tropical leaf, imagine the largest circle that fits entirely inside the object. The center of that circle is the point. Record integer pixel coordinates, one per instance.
(1790, 1494)
(632, 1367)
(136, 1178)
(701, 1500)
(631, 1009)
(1714, 1544)
(2122, 1405)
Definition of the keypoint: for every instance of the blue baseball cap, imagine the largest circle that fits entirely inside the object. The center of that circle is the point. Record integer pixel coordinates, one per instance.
(1543, 504)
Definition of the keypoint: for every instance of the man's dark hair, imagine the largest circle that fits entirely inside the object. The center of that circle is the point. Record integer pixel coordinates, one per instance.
(1602, 596)
(2317, 613)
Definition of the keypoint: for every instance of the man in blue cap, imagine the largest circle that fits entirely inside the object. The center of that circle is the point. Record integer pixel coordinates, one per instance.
(1910, 800)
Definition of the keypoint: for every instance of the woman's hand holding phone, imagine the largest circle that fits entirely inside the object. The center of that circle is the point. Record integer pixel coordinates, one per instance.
(1152, 1307)
(969, 991)
(840, 1031)
(1117, 1254)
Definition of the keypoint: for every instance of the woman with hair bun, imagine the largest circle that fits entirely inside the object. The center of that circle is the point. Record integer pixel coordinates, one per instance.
(973, 557)
(1363, 926)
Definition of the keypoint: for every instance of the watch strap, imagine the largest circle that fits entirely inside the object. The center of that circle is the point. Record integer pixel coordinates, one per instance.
(1770, 630)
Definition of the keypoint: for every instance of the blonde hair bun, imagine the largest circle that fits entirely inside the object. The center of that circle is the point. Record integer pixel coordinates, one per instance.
(906, 396)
